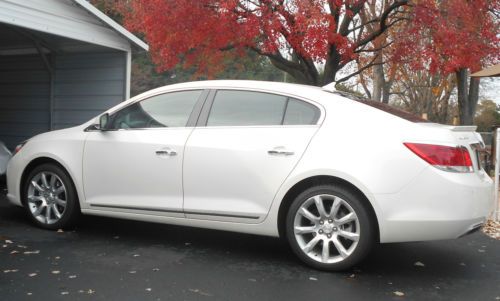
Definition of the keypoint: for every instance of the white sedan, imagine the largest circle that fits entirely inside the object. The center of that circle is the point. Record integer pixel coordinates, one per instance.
(331, 174)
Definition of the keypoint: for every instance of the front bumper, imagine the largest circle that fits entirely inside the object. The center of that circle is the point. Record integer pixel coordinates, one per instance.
(436, 205)
(14, 173)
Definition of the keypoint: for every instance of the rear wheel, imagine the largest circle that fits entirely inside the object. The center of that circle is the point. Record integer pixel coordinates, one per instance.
(330, 228)
(50, 198)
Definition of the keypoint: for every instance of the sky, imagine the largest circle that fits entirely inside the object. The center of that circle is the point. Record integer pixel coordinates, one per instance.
(490, 89)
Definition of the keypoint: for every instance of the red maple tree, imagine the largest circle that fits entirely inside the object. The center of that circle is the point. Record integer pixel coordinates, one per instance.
(312, 40)
(452, 36)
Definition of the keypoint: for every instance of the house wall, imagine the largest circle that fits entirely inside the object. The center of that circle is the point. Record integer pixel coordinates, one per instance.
(87, 84)
(24, 98)
(84, 85)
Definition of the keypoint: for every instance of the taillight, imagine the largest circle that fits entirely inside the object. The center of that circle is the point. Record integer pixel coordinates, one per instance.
(448, 158)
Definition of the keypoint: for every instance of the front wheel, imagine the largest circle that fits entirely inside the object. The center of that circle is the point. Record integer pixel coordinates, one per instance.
(50, 197)
(330, 228)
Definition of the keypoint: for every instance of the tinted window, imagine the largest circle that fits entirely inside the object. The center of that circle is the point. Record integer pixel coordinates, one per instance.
(240, 108)
(300, 112)
(165, 110)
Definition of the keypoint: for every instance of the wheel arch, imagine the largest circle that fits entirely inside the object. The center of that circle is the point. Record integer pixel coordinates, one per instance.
(37, 162)
(311, 181)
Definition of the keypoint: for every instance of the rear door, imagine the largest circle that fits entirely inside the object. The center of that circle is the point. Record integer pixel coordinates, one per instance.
(246, 146)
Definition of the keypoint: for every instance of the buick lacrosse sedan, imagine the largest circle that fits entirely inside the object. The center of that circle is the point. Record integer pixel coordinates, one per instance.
(329, 173)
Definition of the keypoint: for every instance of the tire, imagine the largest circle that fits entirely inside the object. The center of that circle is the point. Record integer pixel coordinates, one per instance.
(307, 236)
(54, 189)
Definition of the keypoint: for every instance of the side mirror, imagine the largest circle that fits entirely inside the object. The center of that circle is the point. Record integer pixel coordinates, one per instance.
(103, 122)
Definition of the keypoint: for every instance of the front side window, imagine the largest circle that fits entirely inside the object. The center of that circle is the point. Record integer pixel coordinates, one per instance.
(247, 108)
(164, 110)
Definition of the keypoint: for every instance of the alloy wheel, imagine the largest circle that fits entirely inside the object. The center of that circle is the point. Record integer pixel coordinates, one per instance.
(47, 197)
(326, 228)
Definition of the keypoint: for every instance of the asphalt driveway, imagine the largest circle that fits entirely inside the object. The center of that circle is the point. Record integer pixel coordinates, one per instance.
(109, 259)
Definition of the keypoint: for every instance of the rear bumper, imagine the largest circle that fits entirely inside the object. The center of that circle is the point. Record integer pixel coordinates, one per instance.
(436, 205)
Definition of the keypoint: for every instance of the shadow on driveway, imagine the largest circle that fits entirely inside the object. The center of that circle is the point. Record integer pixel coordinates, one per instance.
(116, 259)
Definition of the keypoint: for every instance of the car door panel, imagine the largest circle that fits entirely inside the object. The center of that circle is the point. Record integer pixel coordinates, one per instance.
(135, 163)
(229, 173)
(123, 169)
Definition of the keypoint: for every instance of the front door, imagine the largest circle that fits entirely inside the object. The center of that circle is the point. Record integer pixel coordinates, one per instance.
(137, 164)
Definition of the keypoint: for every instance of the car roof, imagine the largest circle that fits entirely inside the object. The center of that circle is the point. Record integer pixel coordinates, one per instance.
(278, 87)
(318, 94)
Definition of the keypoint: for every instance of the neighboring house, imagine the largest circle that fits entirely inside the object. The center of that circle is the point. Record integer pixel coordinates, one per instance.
(62, 62)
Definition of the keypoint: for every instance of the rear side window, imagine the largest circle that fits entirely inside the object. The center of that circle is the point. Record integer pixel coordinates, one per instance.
(240, 108)
(247, 108)
(300, 112)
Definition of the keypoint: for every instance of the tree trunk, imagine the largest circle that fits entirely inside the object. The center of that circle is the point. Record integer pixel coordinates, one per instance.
(468, 96)
(378, 82)
(386, 91)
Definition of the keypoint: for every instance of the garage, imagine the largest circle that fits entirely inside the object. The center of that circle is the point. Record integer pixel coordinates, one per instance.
(62, 62)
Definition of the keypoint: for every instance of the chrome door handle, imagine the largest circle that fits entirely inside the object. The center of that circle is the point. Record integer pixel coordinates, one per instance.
(280, 151)
(166, 152)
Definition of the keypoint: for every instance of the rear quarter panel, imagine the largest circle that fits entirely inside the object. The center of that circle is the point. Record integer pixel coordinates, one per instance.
(363, 146)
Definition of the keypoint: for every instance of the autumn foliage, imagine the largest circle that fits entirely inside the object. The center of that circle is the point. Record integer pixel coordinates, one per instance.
(298, 36)
(448, 35)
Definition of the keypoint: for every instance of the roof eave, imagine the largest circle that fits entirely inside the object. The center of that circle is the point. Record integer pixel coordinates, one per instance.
(110, 22)
(493, 71)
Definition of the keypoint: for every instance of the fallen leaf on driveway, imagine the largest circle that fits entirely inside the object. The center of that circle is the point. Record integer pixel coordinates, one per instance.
(419, 264)
(399, 294)
(195, 290)
(31, 252)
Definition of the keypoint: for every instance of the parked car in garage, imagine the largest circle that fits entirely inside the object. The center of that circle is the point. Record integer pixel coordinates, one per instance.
(5, 155)
(329, 173)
